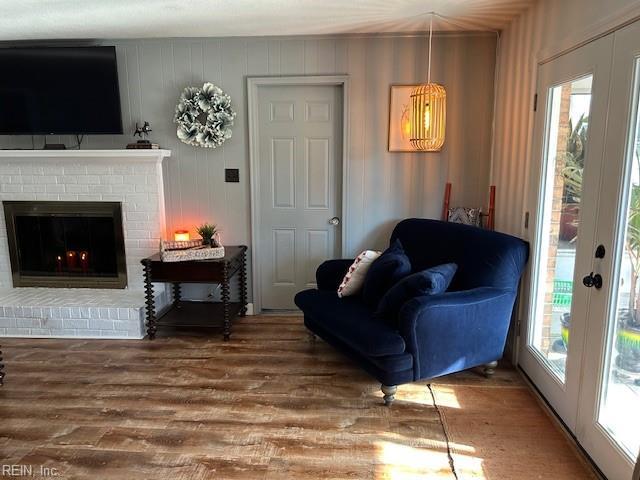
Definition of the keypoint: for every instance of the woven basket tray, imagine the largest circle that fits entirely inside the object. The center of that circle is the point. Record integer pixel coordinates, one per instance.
(186, 251)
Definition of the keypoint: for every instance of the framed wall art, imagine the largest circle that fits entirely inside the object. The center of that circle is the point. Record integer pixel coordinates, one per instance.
(400, 118)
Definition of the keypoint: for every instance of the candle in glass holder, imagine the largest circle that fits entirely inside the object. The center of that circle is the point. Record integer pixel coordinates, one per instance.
(84, 261)
(181, 235)
(72, 260)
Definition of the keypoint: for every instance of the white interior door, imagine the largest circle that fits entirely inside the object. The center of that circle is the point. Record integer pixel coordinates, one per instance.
(567, 156)
(609, 410)
(299, 177)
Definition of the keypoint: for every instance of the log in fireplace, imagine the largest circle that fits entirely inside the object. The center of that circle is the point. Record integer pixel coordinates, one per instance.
(66, 244)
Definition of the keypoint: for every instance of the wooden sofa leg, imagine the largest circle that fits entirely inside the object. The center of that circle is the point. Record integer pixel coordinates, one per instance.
(389, 392)
(490, 368)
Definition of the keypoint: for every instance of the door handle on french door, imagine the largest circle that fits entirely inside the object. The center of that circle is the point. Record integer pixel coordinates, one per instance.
(334, 221)
(592, 280)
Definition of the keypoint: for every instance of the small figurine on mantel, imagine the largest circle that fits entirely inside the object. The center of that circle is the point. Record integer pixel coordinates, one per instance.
(143, 143)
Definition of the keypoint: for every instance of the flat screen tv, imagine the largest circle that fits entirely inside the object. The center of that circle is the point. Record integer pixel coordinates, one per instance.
(59, 90)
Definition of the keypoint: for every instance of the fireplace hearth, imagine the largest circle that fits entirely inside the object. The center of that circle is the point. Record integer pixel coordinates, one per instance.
(66, 244)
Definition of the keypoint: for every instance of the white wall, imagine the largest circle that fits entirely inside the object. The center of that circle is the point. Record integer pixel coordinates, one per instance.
(548, 28)
(384, 187)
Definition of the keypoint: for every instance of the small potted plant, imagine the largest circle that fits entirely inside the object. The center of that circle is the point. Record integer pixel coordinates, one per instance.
(207, 231)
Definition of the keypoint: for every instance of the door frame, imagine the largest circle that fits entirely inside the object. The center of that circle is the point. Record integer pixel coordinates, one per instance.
(253, 86)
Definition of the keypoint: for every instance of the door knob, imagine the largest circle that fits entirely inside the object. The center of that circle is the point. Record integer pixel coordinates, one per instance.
(334, 221)
(592, 280)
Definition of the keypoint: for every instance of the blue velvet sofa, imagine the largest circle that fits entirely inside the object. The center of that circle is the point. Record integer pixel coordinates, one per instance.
(436, 334)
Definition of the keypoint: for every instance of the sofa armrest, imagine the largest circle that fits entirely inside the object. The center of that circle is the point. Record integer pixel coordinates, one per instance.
(456, 330)
(330, 273)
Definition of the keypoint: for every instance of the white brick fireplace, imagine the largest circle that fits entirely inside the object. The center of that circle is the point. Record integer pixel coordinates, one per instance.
(132, 177)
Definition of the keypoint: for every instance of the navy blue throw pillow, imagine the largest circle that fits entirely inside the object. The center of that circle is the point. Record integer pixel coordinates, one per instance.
(431, 281)
(385, 272)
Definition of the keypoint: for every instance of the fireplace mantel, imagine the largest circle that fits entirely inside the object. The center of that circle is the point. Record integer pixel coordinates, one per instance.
(141, 155)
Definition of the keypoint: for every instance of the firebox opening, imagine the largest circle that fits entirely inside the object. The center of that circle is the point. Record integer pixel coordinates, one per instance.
(66, 244)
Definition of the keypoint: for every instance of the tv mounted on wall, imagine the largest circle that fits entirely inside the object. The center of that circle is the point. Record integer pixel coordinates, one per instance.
(59, 90)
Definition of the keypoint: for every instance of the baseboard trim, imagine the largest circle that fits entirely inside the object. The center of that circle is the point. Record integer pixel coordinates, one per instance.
(557, 421)
(282, 313)
(76, 337)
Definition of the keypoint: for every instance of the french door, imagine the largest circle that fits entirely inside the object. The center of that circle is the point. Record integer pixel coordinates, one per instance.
(582, 342)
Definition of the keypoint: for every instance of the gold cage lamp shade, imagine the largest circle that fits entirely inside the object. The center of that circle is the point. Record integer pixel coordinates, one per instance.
(428, 117)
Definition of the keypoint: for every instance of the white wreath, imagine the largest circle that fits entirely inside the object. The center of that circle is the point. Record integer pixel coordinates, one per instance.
(204, 116)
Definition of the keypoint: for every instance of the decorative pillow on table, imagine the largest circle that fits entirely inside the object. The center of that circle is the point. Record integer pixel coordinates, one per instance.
(386, 271)
(354, 279)
(431, 281)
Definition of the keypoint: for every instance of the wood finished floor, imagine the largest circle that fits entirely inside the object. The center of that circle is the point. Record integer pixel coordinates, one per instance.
(266, 405)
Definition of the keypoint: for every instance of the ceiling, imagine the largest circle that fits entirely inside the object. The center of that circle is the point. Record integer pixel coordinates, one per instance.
(66, 19)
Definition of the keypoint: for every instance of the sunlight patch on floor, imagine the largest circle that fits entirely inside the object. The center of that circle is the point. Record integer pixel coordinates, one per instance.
(468, 466)
(422, 442)
(403, 462)
(418, 393)
(419, 457)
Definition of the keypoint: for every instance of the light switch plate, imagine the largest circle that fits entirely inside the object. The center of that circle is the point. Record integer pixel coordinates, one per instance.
(231, 175)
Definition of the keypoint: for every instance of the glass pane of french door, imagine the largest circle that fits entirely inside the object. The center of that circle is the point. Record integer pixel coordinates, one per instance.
(620, 395)
(565, 144)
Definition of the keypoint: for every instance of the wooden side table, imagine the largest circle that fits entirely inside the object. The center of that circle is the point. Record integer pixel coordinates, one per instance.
(197, 314)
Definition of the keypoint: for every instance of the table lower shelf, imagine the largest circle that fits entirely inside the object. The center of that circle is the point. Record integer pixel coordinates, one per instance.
(197, 315)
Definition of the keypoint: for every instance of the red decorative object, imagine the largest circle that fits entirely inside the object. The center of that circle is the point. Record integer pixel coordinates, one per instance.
(491, 218)
(84, 261)
(72, 260)
(445, 203)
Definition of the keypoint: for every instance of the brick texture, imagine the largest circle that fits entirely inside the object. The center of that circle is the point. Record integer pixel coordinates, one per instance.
(138, 185)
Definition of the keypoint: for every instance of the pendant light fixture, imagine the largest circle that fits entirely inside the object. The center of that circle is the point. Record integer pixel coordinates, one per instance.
(428, 111)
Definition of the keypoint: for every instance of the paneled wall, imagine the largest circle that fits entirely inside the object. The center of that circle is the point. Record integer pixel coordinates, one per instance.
(382, 187)
(546, 29)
